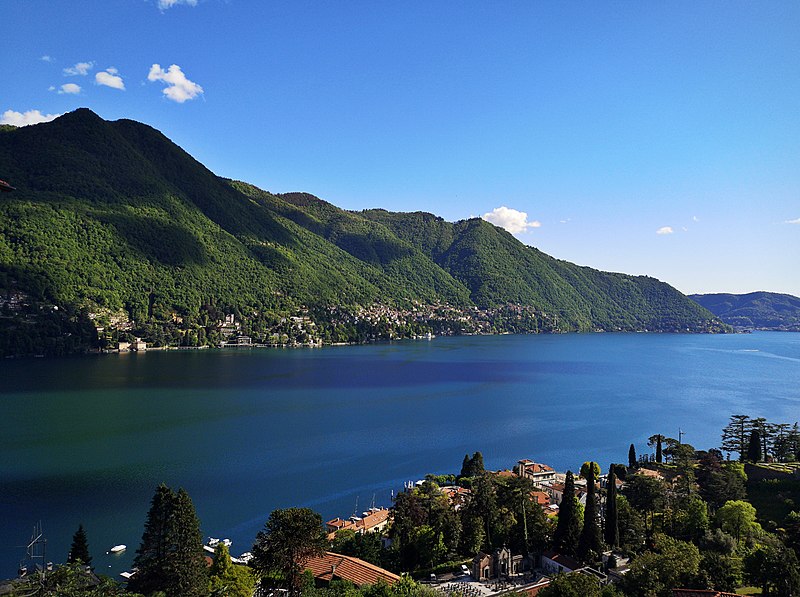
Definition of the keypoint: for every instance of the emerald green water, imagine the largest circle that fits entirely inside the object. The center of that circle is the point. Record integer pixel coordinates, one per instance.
(86, 440)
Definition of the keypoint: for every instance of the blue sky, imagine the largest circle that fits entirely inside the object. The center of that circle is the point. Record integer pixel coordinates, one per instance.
(658, 138)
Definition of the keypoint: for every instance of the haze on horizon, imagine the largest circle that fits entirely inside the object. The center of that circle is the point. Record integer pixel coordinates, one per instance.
(658, 139)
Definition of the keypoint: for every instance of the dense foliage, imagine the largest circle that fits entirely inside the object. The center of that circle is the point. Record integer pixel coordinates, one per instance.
(124, 231)
(759, 310)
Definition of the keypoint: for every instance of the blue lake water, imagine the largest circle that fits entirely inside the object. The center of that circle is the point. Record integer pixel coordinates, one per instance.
(86, 440)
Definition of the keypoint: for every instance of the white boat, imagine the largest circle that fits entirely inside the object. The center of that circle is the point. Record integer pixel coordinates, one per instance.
(118, 549)
(243, 559)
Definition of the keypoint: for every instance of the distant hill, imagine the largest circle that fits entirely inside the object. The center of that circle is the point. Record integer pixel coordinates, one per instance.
(114, 227)
(755, 310)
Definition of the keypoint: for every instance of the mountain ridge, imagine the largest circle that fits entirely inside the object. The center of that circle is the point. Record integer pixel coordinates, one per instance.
(754, 310)
(112, 221)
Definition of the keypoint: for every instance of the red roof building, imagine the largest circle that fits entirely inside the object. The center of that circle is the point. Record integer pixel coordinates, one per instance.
(334, 566)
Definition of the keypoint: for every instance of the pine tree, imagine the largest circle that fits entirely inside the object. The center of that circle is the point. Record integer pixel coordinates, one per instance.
(188, 572)
(612, 523)
(754, 447)
(565, 539)
(734, 436)
(79, 550)
(591, 543)
(151, 557)
(289, 539)
(170, 557)
(632, 457)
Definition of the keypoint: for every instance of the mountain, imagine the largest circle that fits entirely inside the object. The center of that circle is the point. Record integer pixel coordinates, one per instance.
(113, 226)
(755, 310)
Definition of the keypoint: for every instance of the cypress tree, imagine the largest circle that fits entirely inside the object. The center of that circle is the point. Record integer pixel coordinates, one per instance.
(465, 466)
(754, 447)
(590, 543)
(611, 530)
(477, 464)
(79, 550)
(632, 457)
(565, 539)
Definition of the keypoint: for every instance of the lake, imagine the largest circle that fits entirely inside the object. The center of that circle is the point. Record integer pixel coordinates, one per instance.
(86, 440)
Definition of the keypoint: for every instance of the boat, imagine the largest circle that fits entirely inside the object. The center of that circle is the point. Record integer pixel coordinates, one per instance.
(118, 549)
(211, 546)
(243, 559)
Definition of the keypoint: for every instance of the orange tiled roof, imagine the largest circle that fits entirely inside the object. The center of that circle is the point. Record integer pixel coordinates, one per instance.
(333, 565)
(541, 497)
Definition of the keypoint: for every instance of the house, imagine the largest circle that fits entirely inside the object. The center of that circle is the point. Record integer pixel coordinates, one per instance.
(650, 473)
(139, 345)
(553, 563)
(375, 520)
(541, 497)
(500, 564)
(527, 469)
(457, 496)
(334, 566)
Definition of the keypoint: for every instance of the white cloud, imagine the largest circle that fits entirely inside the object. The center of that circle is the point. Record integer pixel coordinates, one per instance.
(46, 58)
(26, 118)
(109, 78)
(665, 230)
(81, 68)
(568, 220)
(797, 221)
(165, 4)
(70, 88)
(179, 88)
(511, 219)
(51, 88)
(695, 219)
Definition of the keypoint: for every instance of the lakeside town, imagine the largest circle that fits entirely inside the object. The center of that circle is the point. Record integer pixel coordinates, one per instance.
(671, 521)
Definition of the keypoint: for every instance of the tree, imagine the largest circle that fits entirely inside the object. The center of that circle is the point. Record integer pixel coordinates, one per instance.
(79, 550)
(723, 572)
(672, 564)
(150, 560)
(632, 457)
(754, 446)
(738, 518)
(734, 435)
(571, 585)
(646, 494)
(590, 544)
(364, 546)
(631, 525)
(227, 579)
(289, 539)
(654, 441)
(188, 571)
(567, 533)
(472, 467)
(170, 556)
(774, 568)
(611, 529)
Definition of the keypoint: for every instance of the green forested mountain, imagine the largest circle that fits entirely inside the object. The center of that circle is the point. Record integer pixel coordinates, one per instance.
(759, 310)
(120, 229)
